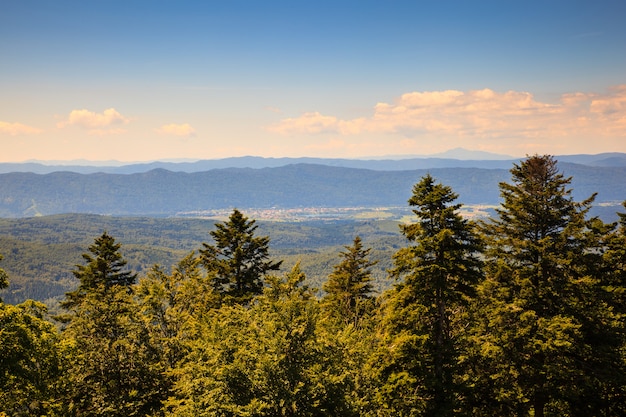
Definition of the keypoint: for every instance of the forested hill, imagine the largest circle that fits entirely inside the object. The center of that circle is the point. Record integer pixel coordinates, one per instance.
(164, 193)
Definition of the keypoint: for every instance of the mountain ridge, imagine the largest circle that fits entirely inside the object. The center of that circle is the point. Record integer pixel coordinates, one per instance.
(160, 192)
(614, 159)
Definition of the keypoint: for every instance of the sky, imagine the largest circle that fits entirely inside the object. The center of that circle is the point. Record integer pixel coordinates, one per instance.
(165, 80)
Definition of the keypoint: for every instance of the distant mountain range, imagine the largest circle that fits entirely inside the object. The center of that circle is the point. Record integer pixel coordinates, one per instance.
(286, 183)
(455, 158)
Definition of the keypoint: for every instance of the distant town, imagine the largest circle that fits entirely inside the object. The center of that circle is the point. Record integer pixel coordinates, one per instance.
(401, 214)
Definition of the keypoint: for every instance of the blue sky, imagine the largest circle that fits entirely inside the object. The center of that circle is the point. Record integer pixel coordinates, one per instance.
(146, 80)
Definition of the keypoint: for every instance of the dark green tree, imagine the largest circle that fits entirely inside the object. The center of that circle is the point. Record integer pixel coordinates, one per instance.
(238, 259)
(4, 279)
(104, 268)
(111, 367)
(544, 314)
(437, 275)
(348, 290)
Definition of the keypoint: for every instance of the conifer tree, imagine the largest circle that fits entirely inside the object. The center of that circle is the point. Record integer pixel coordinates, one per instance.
(4, 279)
(110, 366)
(104, 268)
(437, 275)
(238, 259)
(545, 311)
(348, 288)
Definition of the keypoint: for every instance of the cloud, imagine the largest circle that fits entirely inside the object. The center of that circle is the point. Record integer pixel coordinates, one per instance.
(15, 129)
(97, 123)
(484, 114)
(183, 130)
(307, 123)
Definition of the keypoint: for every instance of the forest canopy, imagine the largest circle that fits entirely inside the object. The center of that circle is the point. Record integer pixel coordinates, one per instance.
(520, 314)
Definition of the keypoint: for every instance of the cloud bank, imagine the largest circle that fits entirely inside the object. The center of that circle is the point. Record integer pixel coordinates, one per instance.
(478, 115)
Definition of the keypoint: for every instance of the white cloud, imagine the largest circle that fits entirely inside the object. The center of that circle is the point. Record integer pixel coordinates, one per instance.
(15, 129)
(98, 124)
(478, 114)
(183, 130)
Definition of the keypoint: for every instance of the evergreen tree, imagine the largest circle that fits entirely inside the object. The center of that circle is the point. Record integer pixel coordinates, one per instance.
(348, 288)
(239, 259)
(110, 365)
(544, 310)
(437, 276)
(4, 279)
(103, 269)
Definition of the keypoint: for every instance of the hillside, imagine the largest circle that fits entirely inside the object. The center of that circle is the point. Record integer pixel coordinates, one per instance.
(40, 253)
(165, 193)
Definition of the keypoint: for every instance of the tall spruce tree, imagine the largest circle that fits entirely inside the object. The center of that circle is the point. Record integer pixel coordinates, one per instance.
(437, 275)
(544, 312)
(238, 259)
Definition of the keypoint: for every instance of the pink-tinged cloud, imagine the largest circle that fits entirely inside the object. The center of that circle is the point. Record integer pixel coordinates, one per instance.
(98, 124)
(15, 129)
(181, 130)
(485, 114)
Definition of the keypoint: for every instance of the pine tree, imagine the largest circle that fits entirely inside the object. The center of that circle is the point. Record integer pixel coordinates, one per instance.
(111, 368)
(239, 259)
(348, 288)
(544, 307)
(104, 268)
(437, 276)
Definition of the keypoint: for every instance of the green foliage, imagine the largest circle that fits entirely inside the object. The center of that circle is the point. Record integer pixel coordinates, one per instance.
(4, 279)
(29, 360)
(261, 360)
(44, 250)
(110, 365)
(103, 270)
(546, 316)
(536, 326)
(437, 278)
(238, 259)
(348, 288)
